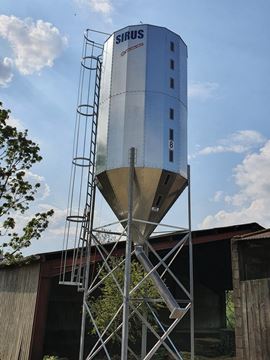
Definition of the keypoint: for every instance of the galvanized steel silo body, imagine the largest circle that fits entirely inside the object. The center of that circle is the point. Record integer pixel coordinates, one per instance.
(143, 104)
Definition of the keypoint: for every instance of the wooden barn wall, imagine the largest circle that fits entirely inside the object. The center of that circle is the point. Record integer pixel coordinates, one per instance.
(256, 318)
(252, 312)
(18, 293)
(239, 344)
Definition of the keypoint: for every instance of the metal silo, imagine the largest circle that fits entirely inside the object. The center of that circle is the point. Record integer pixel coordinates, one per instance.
(143, 104)
(130, 141)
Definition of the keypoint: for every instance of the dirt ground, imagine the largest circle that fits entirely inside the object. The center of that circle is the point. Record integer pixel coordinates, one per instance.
(186, 356)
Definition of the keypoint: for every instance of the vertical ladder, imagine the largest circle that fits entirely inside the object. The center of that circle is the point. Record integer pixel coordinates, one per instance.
(82, 183)
(87, 224)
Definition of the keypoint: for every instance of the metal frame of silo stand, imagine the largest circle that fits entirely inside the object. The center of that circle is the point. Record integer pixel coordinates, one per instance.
(124, 347)
(191, 284)
(129, 306)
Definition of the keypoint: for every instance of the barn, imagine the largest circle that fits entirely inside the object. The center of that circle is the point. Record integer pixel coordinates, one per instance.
(38, 316)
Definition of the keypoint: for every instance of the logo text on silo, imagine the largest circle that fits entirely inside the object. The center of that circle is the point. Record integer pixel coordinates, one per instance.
(128, 35)
(129, 49)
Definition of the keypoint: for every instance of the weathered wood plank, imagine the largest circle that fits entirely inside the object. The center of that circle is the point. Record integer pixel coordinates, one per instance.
(255, 303)
(265, 316)
(18, 292)
(239, 338)
(258, 351)
(263, 308)
(244, 321)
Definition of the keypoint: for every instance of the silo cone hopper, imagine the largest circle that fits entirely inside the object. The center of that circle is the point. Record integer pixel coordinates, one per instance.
(155, 191)
(143, 105)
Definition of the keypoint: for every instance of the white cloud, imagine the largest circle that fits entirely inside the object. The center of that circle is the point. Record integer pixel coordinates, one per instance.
(57, 222)
(218, 196)
(252, 174)
(221, 149)
(239, 142)
(256, 212)
(44, 189)
(15, 123)
(52, 238)
(202, 90)
(103, 7)
(35, 44)
(6, 74)
(252, 200)
(246, 137)
(236, 199)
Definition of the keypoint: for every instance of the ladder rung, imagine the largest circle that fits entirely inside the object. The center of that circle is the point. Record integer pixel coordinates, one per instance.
(70, 283)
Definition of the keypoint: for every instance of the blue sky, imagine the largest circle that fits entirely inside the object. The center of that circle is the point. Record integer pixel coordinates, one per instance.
(229, 108)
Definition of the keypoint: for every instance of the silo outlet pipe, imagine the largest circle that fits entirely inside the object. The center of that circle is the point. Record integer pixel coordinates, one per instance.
(176, 311)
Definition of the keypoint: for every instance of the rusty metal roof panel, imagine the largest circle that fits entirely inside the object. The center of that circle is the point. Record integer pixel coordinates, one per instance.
(258, 235)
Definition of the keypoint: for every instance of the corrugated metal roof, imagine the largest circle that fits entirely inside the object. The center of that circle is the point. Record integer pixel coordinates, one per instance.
(19, 262)
(214, 234)
(261, 234)
(166, 241)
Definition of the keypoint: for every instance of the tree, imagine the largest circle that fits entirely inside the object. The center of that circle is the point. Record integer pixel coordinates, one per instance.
(110, 299)
(17, 155)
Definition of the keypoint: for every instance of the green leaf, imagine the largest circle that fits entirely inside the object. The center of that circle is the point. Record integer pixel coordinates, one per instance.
(18, 154)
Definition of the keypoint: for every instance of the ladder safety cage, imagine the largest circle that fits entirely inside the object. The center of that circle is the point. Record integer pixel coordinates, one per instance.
(81, 196)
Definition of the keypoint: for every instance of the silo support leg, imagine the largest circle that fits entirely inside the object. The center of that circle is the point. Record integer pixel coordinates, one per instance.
(124, 345)
(192, 327)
